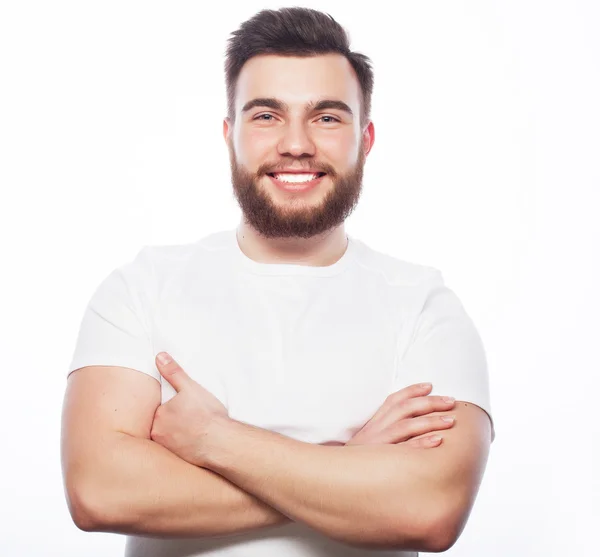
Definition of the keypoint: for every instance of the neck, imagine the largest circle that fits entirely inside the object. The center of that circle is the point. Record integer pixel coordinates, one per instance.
(319, 251)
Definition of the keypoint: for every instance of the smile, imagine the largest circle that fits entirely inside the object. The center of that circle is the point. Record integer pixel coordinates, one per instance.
(299, 182)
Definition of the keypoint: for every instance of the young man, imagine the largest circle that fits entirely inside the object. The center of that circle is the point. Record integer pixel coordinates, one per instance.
(285, 336)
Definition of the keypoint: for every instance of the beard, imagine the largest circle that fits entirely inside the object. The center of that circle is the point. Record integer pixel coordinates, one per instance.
(296, 218)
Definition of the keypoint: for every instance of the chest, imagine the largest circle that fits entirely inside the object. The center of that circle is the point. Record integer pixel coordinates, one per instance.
(312, 366)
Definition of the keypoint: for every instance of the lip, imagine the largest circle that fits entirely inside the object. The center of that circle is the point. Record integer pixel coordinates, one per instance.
(298, 171)
(300, 187)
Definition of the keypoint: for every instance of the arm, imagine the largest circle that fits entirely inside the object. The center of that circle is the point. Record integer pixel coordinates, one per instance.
(118, 480)
(385, 496)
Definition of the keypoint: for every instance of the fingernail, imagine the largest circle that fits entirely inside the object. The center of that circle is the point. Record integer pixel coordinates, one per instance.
(425, 385)
(447, 418)
(435, 439)
(164, 358)
(449, 399)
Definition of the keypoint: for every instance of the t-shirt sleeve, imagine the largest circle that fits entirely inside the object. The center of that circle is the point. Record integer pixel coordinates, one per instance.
(115, 328)
(446, 350)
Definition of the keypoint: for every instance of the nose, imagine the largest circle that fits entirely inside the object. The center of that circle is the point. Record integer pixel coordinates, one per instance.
(296, 140)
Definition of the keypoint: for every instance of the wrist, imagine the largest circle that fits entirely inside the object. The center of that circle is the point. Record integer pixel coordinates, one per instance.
(218, 435)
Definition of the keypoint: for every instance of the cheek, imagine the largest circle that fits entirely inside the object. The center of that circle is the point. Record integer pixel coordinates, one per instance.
(340, 149)
(254, 145)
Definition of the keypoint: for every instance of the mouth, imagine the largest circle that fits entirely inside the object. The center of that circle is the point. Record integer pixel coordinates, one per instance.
(295, 178)
(296, 182)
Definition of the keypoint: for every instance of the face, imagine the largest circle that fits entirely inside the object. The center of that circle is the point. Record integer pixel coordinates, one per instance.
(296, 117)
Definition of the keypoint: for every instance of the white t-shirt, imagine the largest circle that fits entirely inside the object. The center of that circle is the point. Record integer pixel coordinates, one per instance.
(309, 352)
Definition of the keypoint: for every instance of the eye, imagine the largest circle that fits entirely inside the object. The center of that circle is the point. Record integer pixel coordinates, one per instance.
(260, 117)
(267, 117)
(333, 119)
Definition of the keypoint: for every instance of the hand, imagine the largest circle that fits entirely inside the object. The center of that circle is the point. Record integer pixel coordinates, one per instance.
(403, 418)
(183, 424)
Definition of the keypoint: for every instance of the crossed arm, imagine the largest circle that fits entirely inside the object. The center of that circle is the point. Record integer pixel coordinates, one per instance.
(384, 496)
(380, 496)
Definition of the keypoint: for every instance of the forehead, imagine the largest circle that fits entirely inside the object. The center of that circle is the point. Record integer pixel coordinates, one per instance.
(298, 80)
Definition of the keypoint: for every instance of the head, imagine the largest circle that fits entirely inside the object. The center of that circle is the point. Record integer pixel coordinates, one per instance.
(298, 100)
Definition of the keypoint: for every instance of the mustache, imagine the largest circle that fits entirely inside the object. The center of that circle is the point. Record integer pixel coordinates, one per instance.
(268, 168)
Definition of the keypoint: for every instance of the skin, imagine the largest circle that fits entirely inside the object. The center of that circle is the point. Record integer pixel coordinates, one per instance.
(186, 423)
(304, 228)
(410, 499)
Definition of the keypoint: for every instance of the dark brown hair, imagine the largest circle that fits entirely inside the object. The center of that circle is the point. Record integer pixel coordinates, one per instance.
(293, 32)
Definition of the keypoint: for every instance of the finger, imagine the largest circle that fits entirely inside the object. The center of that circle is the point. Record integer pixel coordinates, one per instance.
(413, 407)
(423, 405)
(412, 428)
(415, 427)
(172, 371)
(397, 397)
(425, 442)
(418, 389)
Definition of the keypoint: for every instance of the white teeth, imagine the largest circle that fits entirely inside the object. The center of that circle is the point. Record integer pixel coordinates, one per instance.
(295, 178)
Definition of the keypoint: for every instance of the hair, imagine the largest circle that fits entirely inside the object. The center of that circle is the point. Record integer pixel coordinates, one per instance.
(293, 32)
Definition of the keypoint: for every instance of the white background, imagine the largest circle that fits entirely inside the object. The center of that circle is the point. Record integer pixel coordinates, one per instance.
(485, 165)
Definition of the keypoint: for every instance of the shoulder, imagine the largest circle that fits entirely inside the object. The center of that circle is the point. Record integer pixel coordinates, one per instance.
(393, 269)
(162, 261)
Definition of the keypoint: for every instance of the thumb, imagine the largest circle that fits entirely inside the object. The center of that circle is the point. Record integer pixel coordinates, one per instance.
(172, 371)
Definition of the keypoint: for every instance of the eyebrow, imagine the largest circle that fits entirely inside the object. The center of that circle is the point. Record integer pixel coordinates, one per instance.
(276, 104)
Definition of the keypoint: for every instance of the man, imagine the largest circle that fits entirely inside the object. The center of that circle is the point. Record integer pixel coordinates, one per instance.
(289, 416)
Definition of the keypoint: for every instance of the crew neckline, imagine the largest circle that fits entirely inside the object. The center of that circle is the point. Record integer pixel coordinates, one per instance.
(259, 268)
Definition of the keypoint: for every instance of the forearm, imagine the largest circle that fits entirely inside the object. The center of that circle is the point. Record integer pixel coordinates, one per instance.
(348, 493)
(141, 488)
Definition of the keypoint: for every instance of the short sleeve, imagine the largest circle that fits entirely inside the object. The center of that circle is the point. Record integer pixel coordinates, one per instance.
(446, 350)
(115, 328)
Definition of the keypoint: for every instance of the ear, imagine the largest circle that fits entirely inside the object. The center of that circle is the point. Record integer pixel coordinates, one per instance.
(368, 138)
(227, 129)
